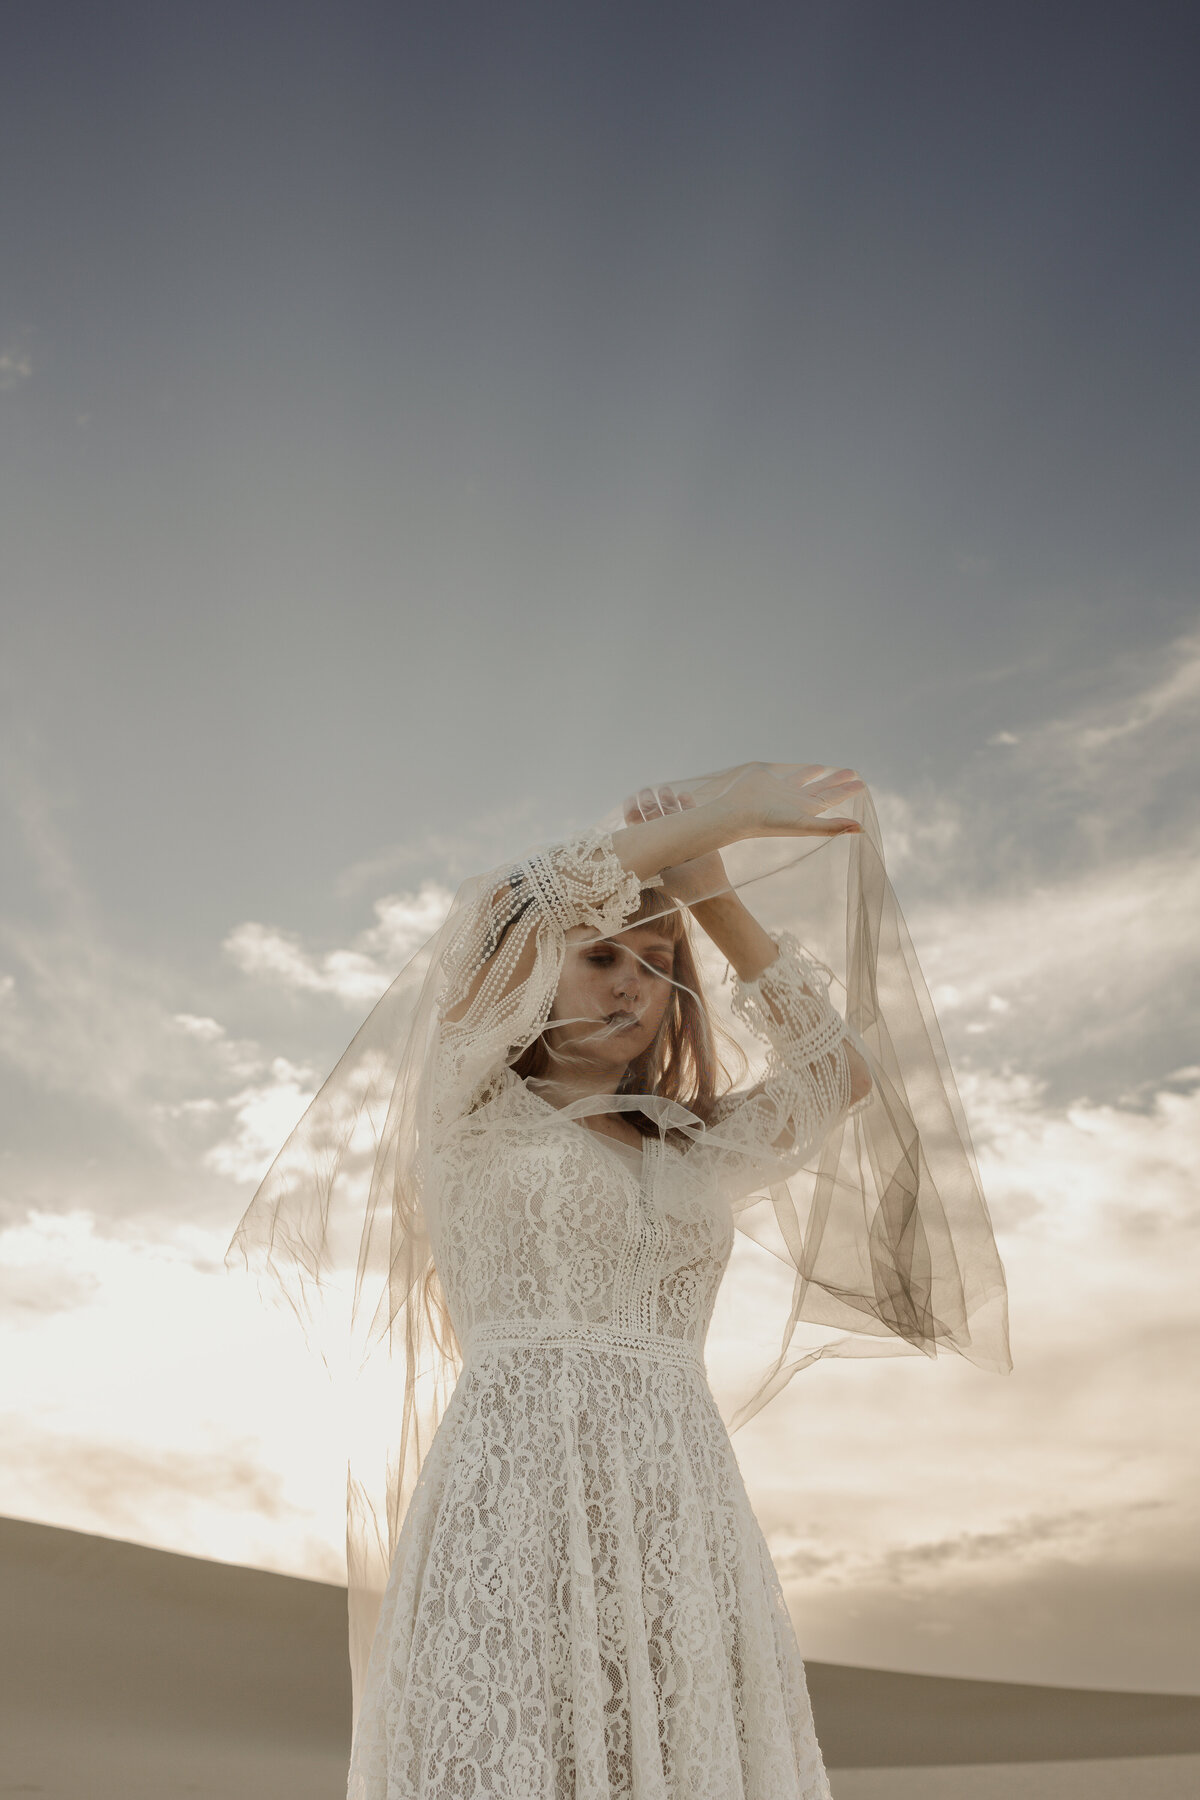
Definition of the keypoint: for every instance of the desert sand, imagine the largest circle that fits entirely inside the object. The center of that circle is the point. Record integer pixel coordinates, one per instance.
(133, 1674)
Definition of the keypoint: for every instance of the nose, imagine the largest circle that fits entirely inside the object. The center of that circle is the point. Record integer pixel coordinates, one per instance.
(625, 981)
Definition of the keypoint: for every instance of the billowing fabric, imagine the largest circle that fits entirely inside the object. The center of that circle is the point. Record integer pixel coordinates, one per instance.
(557, 1583)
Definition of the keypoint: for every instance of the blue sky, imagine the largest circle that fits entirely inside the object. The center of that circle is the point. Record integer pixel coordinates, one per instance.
(421, 426)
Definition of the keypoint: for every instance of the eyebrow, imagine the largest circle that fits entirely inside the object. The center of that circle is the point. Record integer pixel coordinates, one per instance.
(657, 942)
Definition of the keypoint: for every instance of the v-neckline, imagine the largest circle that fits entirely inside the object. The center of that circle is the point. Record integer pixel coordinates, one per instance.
(605, 1138)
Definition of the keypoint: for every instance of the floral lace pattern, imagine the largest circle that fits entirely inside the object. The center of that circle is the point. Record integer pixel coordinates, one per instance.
(582, 1604)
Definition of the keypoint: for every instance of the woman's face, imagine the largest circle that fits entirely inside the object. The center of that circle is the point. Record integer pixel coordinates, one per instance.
(612, 994)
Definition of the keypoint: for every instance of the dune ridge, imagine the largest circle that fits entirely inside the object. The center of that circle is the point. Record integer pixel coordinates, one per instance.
(134, 1663)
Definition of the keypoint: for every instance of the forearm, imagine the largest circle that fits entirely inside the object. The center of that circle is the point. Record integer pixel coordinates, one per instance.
(652, 845)
(737, 934)
(752, 951)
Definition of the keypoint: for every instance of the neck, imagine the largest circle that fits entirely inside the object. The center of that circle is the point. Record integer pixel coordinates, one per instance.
(560, 1085)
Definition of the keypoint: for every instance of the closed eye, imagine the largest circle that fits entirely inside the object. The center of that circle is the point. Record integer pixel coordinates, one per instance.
(658, 965)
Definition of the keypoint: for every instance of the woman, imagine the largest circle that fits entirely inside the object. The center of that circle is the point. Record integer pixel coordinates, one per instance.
(573, 1596)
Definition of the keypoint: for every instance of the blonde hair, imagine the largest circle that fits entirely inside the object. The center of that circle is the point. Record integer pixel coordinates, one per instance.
(681, 1064)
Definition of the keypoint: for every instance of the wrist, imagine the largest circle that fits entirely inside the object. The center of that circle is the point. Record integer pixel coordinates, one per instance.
(727, 820)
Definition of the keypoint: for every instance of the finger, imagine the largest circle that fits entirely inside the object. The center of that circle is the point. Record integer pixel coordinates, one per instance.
(819, 797)
(649, 804)
(797, 774)
(831, 790)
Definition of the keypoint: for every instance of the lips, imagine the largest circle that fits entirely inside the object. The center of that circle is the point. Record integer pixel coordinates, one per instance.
(621, 1021)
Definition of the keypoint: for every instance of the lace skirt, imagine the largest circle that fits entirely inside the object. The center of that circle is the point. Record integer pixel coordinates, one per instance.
(582, 1604)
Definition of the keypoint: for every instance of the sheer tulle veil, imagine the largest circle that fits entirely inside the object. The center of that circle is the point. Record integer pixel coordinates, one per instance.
(879, 1244)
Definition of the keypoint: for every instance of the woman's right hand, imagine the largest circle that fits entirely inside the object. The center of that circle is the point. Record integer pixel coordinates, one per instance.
(764, 799)
(708, 813)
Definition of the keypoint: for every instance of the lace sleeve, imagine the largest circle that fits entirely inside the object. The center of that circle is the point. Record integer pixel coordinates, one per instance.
(806, 1086)
(502, 964)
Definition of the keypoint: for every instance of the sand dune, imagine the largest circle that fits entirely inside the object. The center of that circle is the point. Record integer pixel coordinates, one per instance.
(128, 1673)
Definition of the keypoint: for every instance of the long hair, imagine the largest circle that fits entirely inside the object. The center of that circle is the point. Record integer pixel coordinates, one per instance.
(681, 1063)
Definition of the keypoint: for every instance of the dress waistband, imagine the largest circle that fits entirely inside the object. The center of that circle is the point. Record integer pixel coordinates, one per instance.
(610, 1340)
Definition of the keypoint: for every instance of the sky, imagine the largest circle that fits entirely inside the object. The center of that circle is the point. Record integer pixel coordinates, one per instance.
(421, 427)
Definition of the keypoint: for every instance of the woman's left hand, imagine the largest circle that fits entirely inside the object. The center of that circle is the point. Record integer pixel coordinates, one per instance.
(688, 882)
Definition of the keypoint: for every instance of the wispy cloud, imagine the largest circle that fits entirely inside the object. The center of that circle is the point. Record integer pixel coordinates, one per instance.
(1052, 885)
(1171, 695)
(16, 367)
(474, 844)
(1111, 777)
(1022, 1540)
(1087, 976)
(917, 832)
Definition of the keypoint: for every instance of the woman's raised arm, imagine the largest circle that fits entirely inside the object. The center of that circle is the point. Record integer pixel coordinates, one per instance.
(665, 830)
(701, 884)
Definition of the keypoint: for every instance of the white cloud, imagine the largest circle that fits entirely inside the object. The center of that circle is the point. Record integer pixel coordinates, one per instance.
(358, 975)
(1093, 961)
(207, 1030)
(263, 1117)
(918, 829)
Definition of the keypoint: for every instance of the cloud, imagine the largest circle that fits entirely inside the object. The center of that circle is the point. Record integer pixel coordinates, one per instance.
(917, 831)
(207, 1030)
(16, 367)
(475, 844)
(77, 1017)
(106, 1064)
(1052, 884)
(1174, 694)
(219, 1493)
(1022, 1540)
(1087, 972)
(357, 975)
(1074, 1529)
(263, 1117)
(153, 1396)
(128, 1101)
(1091, 1170)
(1111, 781)
(1116, 774)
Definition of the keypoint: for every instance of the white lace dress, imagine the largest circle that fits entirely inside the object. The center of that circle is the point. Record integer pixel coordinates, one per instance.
(582, 1603)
